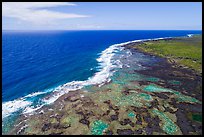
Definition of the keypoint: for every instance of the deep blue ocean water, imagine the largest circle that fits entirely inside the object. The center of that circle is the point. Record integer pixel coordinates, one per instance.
(40, 60)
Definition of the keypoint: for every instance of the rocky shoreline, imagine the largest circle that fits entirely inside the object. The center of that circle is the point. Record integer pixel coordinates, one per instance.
(168, 100)
(190, 84)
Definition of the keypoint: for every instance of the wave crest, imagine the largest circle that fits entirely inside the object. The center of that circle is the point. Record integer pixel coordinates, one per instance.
(107, 65)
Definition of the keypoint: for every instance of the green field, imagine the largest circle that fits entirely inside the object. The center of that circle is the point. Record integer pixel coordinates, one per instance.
(185, 51)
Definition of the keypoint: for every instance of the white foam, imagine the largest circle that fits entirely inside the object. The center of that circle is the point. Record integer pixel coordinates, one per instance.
(82, 96)
(35, 94)
(30, 109)
(12, 106)
(106, 69)
(118, 63)
(190, 35)
(127, 66)
(22, 128)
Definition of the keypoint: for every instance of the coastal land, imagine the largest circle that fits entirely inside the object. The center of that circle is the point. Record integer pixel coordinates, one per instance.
(181, 52)
(163, 99)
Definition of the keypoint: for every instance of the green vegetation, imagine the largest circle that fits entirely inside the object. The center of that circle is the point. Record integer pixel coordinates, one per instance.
(197, 117)
(186, 51)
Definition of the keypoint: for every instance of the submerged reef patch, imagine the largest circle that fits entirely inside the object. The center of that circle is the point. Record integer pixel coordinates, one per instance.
(155, 88)
(131, 114)
(174, 82)
(153, 79)
(179, 96)
(169, 127)
(146, 96)
(98, 127)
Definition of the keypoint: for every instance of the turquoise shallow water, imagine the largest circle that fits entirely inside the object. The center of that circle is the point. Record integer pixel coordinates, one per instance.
(35, 63)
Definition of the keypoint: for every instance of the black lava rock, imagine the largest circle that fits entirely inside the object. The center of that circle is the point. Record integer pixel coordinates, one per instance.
(46, 127)
(125, 122)
(84, 121)
(125, 132)
(114, 117)
(138, 132)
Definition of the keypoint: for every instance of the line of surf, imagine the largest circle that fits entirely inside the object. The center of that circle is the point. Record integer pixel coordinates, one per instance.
(107, 64)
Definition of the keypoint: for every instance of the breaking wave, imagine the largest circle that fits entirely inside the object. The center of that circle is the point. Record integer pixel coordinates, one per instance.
(107, 68)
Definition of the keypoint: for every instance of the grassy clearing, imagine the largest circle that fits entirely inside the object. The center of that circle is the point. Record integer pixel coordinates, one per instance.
(186, 51)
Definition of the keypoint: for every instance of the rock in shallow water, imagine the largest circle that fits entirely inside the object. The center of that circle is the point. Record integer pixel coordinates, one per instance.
(46, 127)
(125, 132)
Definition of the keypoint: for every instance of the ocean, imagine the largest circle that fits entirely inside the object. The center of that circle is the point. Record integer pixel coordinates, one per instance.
(37, 63)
